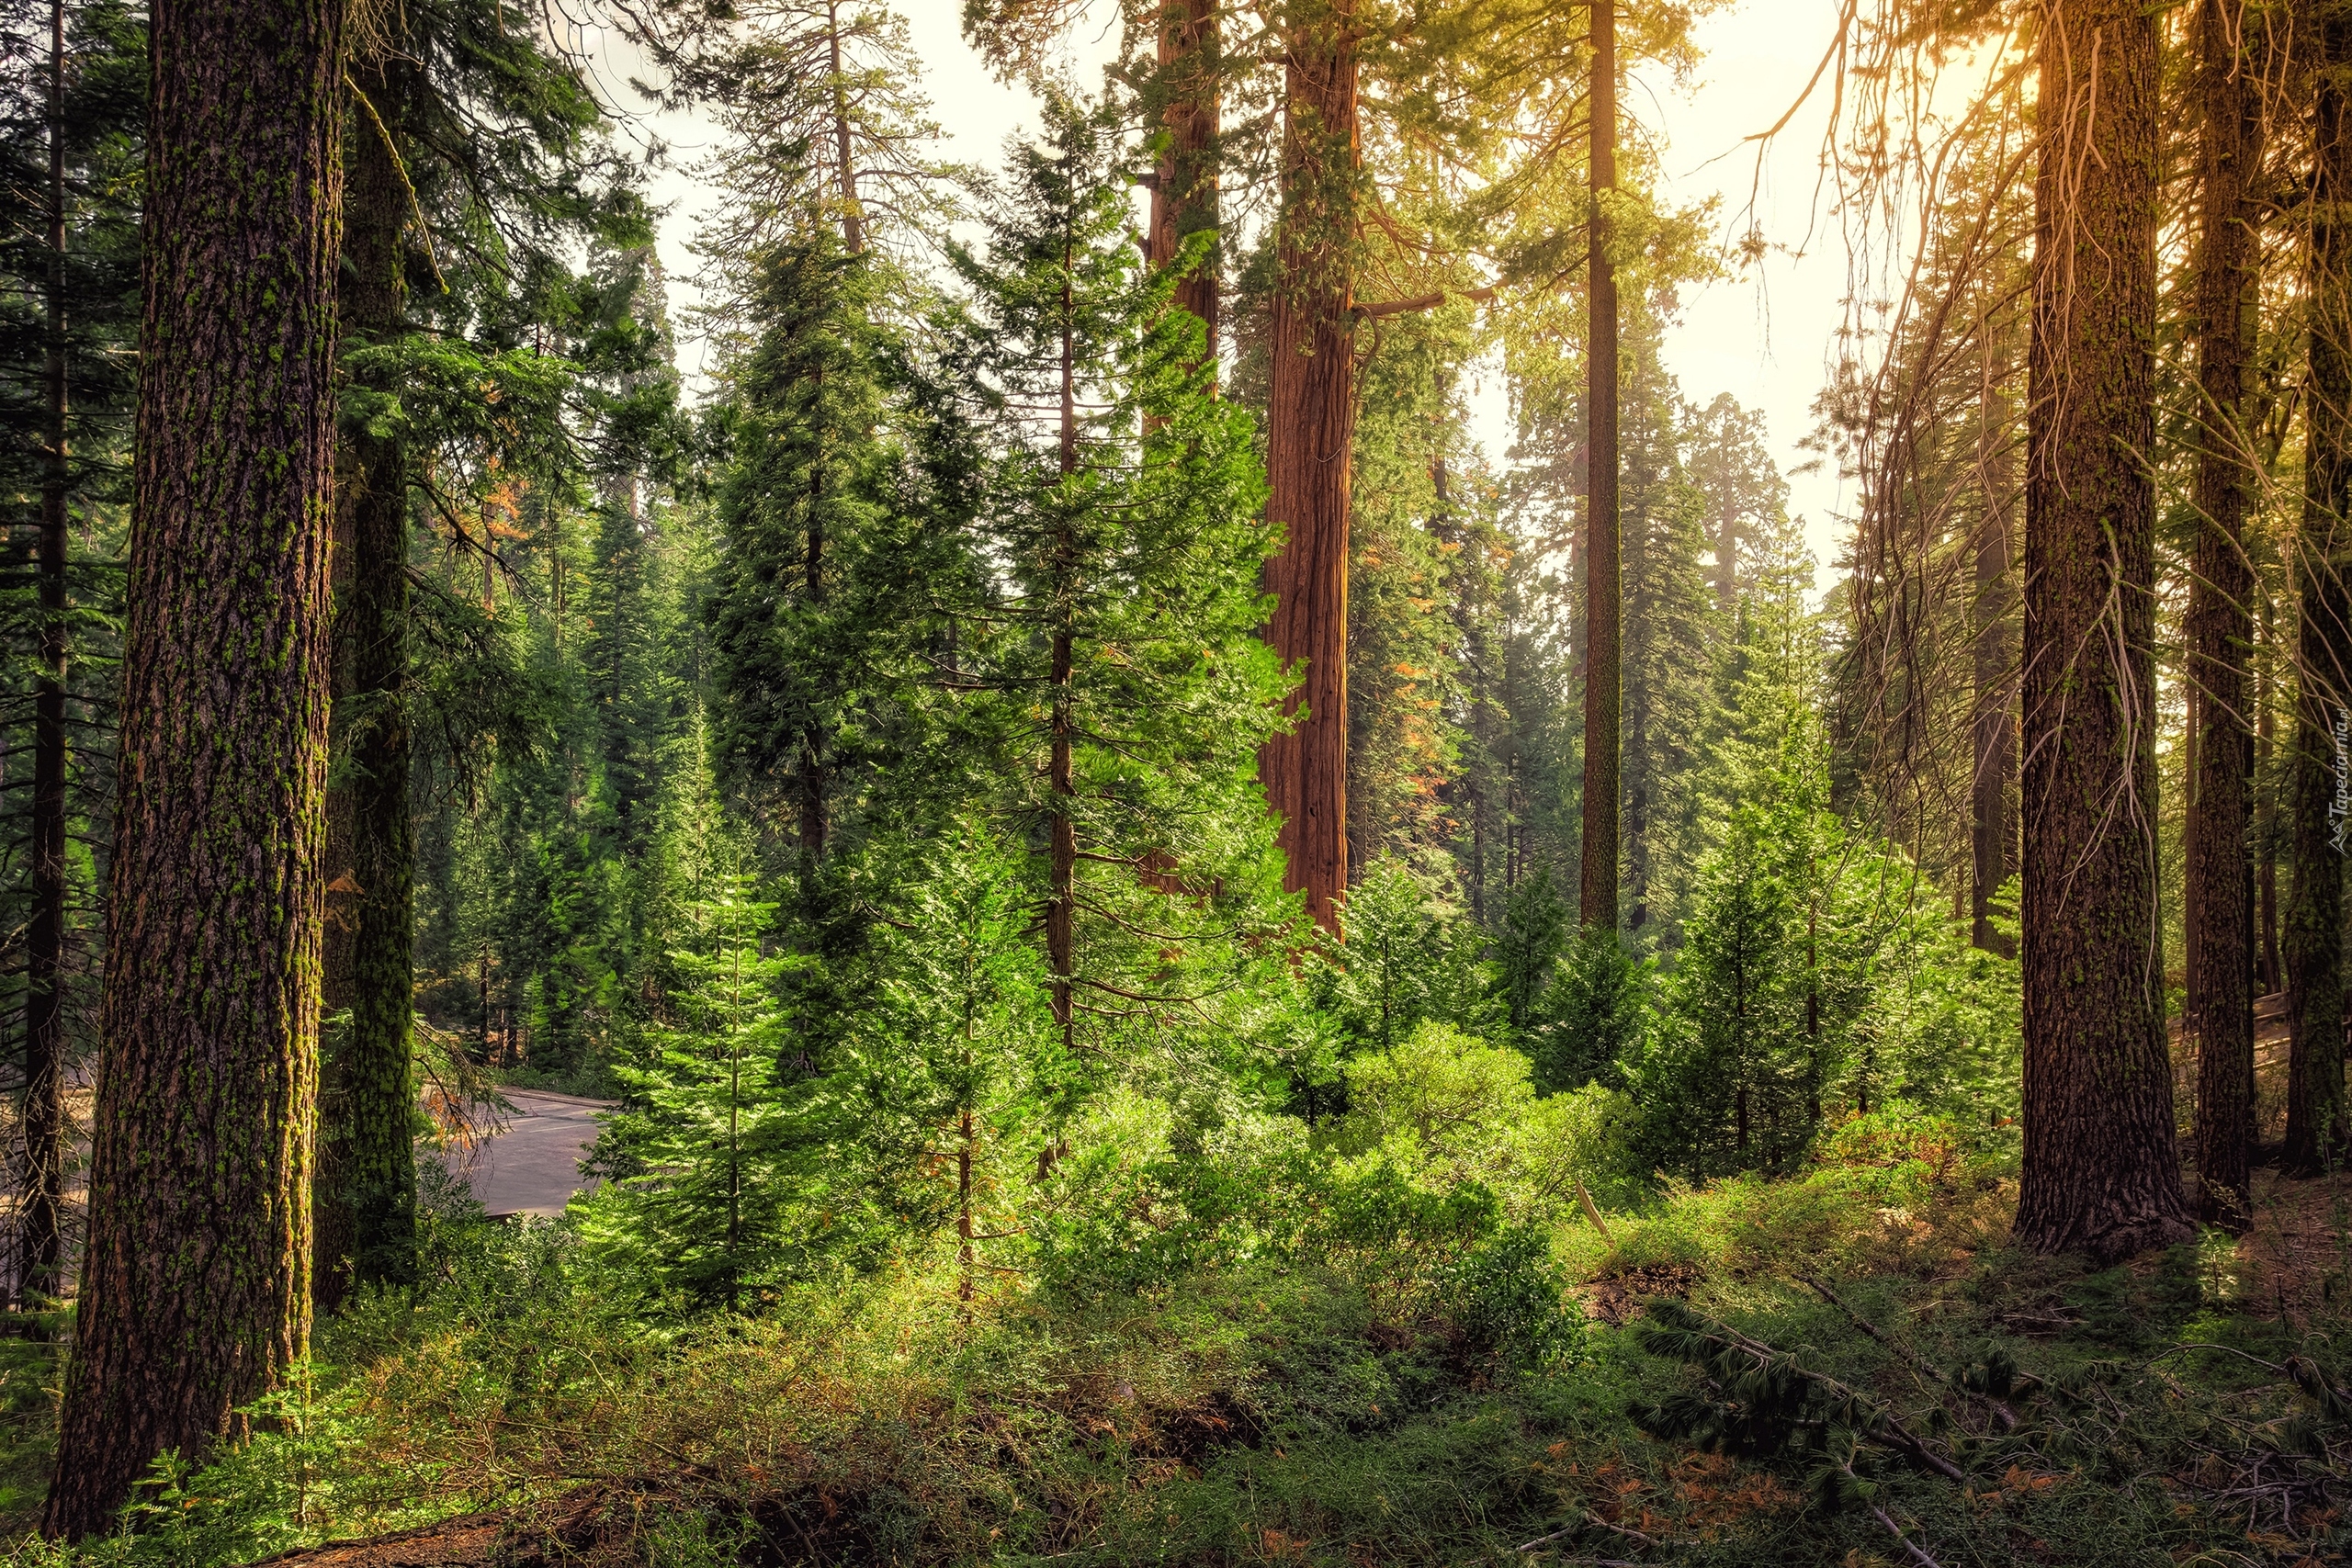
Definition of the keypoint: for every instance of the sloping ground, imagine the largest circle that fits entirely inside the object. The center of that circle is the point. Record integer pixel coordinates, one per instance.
(471, 1539)
(2297, 1261)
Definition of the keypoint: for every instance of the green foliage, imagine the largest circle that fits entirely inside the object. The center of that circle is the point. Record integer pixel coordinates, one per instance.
(1454, 1113)
(1593, 1016)
(703, 1200)
(1405, 956)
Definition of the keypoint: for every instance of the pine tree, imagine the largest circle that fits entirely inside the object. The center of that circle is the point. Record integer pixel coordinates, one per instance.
(2101, 1172)
(196, 1277)
(1130, 691)
(72, 117)
(705, 1206)
(810, 478)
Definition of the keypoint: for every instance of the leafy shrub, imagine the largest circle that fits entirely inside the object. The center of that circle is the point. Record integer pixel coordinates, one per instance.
(1452, 1109)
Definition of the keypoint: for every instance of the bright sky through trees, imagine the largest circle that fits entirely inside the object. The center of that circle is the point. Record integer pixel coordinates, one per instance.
(1761, 335)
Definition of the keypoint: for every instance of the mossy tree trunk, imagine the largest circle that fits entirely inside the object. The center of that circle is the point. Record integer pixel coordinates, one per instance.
(196, 1279)
(2221, 622)
(365, 1205)
(2314, 920)
(2101, 1175)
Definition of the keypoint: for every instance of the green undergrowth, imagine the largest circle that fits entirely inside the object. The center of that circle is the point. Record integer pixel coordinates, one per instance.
(1277, 1411)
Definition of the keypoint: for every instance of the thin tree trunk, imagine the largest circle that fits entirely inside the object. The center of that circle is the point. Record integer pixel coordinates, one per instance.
(1993, 822)
(1603, 694)
(1727, 527)
(1061, 908)
(1310, 439)
(1184, 193)
(2102, 1174)
(2192, 859)
(845, 164)
(196, 1277)
(2265, 830)
(365, 1208)
(42, 1236)
(2314, 935)
(2220, 629)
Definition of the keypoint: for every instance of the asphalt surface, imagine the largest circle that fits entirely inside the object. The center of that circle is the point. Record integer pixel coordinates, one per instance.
(531, 1166)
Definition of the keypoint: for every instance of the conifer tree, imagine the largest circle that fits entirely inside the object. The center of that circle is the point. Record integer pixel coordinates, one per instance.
(197, 1270)
(476, 163)
(2101, 1172)
(72, 117)
(1121, 495)
(810, 478)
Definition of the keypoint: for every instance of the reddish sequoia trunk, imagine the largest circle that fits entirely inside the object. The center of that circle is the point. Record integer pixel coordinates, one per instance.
(2101, 1175)
(2220, 629)
(1604, 626)
(1185, 194)
(2314, 935)
(1310, 432)
(196, 1281)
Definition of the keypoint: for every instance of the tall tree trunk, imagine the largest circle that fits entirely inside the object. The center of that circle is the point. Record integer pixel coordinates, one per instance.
(845, 162)
(1727, 527)
(2102, 1174)
(2221, 626)
(1993, 833)
(1184, 191)
(2192, 862)
(1310, 440)
(365, 1208)
(2265, 817)
(1604, 621)
(2314, 935)
(1061, 906)
(42, 1235)
(815, 775)
(196, 1277)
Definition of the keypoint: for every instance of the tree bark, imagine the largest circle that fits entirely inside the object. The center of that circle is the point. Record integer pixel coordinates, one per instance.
(2101, 1175)
(2221, 626)
(365, 1208)
(1310, 439)
(1604, 623)
(1061, 906)
(2314, 922)
(2265, 818)
(196, 1279)
(1185, 194)
(41, 1237)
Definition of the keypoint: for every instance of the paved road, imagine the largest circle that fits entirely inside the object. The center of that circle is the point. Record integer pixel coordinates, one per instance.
(531, 1166)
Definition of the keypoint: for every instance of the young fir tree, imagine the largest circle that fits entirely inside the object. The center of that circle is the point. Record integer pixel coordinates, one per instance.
(958, 1072)
(1124, 679)
(704, 1204)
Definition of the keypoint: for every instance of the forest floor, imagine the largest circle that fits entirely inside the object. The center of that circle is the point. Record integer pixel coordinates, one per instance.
(2187, 1406)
